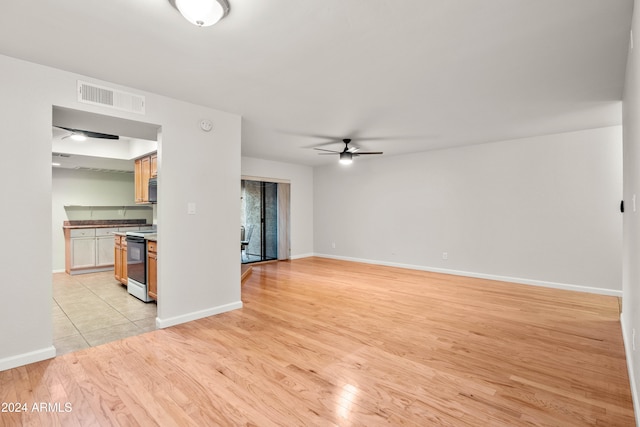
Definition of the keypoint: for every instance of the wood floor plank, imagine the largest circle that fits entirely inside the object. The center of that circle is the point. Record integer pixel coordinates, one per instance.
(326, 342)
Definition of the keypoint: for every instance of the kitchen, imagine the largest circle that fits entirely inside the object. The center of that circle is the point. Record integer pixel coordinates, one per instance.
(104, 194)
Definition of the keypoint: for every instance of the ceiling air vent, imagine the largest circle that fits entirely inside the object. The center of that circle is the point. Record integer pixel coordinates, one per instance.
(107, 97)
(84, 168)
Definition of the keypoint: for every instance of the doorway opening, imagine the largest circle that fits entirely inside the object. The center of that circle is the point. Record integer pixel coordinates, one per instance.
(264, 213)
(94, 203)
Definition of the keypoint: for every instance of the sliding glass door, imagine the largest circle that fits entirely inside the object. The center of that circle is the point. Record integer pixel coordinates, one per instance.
(259, 219)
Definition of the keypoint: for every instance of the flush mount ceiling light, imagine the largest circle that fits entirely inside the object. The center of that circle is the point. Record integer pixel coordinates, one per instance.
(202, 13)
(78, 136)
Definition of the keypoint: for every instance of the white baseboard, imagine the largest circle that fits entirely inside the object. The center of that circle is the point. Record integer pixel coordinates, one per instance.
(628, 351)
(183, 318)
(565, 286)
(59, 271)
(26, 358)
(302, 256)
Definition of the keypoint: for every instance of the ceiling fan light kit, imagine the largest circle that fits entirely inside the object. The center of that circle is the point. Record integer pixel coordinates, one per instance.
(346, 158)
(202, 13)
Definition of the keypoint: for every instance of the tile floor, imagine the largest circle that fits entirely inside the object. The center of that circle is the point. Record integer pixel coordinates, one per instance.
(93, 309)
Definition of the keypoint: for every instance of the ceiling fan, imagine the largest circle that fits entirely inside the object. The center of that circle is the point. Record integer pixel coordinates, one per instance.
(82, 135)
(347, 155)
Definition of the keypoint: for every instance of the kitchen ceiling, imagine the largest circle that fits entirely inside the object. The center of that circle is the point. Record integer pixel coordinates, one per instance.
(92, 154)
(91, 163)
(413, 75)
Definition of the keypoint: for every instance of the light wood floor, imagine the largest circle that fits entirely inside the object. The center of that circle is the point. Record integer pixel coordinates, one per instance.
(325, 342)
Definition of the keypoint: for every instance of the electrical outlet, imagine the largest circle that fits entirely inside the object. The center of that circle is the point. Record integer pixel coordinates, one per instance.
(445, 255)
(633, 339)
(333, 245)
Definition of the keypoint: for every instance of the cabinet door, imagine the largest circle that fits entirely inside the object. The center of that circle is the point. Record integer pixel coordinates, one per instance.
(117, 260)
(145, 168)
(137, 174)
(154, 165)
(152, 272)
(83, 252)
(145, 175)
(123, 260)
(105, 250)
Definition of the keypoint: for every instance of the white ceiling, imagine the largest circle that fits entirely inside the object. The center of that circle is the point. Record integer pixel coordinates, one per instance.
(413, 75)
(93, 163)
(93, 154)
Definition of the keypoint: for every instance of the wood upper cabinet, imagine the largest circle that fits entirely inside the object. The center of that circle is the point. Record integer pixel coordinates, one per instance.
(154, 165)
(145, 168)
(152, 269)
(137, 174)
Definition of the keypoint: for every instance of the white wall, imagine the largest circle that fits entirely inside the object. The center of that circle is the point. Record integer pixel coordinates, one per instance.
(301, 179)
(196, 278)
(631, 267)
(90, 188)
(540, 210)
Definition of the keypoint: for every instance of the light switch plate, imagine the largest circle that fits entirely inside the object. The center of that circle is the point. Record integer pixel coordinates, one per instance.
(191, 208)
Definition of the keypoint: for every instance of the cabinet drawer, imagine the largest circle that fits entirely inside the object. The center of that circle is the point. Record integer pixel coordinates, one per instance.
(152, 246)
(83, 232)
(105, 231)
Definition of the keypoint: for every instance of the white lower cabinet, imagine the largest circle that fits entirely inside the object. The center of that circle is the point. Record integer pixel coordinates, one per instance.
(83, 252)
(91, 249)
(105, 246)
(104, 250)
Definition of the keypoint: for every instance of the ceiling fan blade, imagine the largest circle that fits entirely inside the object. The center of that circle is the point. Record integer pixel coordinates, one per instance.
(100, 135)
(353, 149)
(393, 137)
(329, 151)
(327, 154)
(367, 152)
(90, 134)
(323, 144)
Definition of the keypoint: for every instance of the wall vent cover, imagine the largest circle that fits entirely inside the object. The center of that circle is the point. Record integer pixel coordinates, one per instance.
(89, 93)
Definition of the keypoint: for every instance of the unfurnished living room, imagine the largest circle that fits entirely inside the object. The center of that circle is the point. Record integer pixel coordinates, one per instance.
(348, 212)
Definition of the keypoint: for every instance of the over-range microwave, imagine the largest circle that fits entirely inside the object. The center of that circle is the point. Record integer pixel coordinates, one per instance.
(153, 190)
